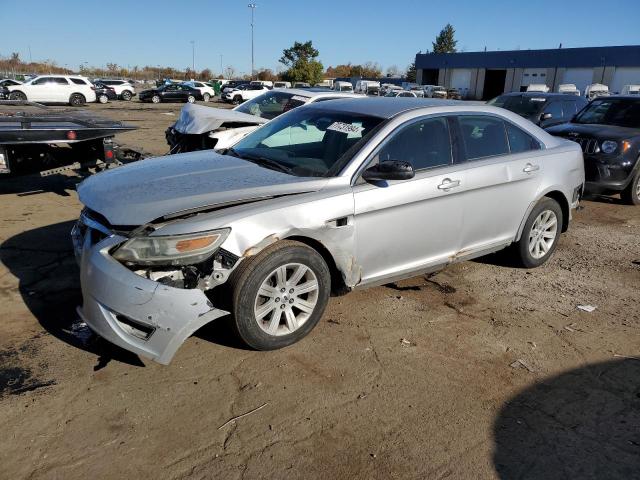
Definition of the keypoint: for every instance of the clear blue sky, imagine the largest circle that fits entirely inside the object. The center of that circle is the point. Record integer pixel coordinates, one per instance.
(143, 32)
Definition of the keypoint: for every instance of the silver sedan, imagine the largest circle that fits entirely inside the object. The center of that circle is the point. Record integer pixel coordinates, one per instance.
(326, 198)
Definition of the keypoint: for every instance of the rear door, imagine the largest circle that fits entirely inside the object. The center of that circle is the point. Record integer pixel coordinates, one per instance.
(403, 227)
(502, 177)
(60, 90)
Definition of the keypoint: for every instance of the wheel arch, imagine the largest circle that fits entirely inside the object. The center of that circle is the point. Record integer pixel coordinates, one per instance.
(556, 195)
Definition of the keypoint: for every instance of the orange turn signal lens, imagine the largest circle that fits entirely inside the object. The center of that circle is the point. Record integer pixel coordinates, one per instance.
(626, 145)
(195, 243)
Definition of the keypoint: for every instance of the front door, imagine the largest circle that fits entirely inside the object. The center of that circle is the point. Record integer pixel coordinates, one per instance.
(403, 227)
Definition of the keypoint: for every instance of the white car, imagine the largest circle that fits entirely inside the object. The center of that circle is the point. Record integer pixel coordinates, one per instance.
(434, 91)
(71, 89)
(341, 86)
(400, 93)
(123, 88)
(206, 91)
(237, 95)
(200, 127)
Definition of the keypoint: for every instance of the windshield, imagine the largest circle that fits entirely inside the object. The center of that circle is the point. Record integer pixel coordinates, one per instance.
(272, 104)
(392, 93)
(525, 106)
(618, 112)
(307, 142)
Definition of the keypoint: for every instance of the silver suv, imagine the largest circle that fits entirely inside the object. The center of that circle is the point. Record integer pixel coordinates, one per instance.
(327, 197)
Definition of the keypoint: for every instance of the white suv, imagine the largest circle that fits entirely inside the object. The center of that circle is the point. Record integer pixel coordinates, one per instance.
(206, 91)
(123, 88)
(74, 90)
(237, 96)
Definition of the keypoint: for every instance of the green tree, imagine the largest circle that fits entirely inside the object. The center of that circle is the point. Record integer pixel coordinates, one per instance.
(411, 72)
(302, 64)
(445, 41)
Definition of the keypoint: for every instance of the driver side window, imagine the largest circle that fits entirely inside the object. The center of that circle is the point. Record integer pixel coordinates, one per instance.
(424, 144)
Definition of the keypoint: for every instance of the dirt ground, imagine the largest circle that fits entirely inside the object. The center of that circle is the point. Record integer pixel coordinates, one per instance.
(482, 371)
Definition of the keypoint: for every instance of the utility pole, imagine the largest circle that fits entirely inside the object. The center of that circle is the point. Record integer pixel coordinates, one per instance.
(30, 59)
(221, 67)
(193, 56)
(252, 6)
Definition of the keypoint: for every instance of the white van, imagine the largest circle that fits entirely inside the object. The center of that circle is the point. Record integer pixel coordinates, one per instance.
(367, 87)
(281, 84)
(630, 90)
(568, 89)
(264, 83)
(596, 90)
(342, 86)
(538, 87)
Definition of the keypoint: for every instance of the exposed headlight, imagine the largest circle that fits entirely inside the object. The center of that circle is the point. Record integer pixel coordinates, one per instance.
(609, 146)
(171, 250)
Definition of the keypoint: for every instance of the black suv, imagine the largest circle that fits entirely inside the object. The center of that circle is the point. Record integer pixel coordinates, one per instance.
(608, 130)
(543, 109)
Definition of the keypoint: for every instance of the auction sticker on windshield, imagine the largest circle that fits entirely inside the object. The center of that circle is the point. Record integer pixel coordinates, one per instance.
(538, 99)
(345, 127)
(300, 98)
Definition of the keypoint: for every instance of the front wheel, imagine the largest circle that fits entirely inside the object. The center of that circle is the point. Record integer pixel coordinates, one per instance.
(206, 97)
(77, 100)
(103, 99)
(191, 99)
(279, 295)
(631, 194)
(18, 96)
(126, 95)
(155, 99)
(237, 100)
(540, 234)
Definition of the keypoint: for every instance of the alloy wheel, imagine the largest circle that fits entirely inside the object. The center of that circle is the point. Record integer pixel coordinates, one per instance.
(543, 234)
(286, 299)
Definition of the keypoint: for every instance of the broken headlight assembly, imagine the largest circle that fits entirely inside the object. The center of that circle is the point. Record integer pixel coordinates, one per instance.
(186, 249)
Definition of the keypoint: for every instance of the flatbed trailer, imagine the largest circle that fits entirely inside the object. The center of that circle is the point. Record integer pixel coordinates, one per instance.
(35, 138)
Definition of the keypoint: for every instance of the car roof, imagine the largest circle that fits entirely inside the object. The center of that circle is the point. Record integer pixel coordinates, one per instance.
(384, 107)
(539, 94)
(319, 92)
(619, 97)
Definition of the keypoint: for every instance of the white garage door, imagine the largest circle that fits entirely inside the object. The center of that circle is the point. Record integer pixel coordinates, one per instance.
(624, 76)
(580, 77)
(461, 79)
(533, 76)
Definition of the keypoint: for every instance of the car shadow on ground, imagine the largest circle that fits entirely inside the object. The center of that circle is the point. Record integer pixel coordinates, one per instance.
(26, 185)
(584, 423)
(43, 261)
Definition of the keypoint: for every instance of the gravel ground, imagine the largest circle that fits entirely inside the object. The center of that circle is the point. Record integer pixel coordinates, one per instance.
(481, 371)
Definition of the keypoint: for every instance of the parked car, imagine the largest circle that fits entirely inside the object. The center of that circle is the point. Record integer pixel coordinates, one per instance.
(434, 91)
(71, 89)
(568, 89)
(6, 82)
(543, 109)
(124, 88)
(608, 130)
(205, 90)
(538, 87)
(630, 90)
(201, 128)
(415, 88)
(104, 93)
(239, 95)
(596, 90)
(400, 93)
(387, 87)
(341, 86)
(171, 93)
(301, 85)
(230, 85)
(454, 94)
(282, 85)
(368, 191)
(367, 87)
(264, 83)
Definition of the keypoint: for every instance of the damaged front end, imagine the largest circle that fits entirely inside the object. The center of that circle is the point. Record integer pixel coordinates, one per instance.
(145, 293)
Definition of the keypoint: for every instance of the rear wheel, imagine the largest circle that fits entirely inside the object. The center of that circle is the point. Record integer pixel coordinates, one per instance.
(237, 100)
(206, 97)
(18, 96)
(77, 100)
(279, 295)
(540, 234)
(126, 95)
(155, 99)
(191, 99)
(631, 194)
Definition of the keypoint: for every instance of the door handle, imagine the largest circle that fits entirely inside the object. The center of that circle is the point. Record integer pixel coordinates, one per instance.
(447, 183)
(530, 168)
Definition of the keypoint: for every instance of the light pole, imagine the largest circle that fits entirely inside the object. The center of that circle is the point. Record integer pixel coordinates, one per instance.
(221, 67)
(252, 6)
(193, 56)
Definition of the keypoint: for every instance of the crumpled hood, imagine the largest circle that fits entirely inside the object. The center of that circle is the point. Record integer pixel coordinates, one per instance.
(149, 189)
(604, 132)
(198, 119)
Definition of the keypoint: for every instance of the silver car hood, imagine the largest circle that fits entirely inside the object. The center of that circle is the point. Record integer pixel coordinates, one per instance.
(198, 119)
(158, 187)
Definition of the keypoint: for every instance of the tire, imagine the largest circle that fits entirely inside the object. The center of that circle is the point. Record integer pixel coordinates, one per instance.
(191, 99)
(237, 100)
(536, 245)
(126, 95)
(18, 96)
(260, 274)
(206, 97)
(77, 100)
(631, 194)
(103, 99)
(155, 99)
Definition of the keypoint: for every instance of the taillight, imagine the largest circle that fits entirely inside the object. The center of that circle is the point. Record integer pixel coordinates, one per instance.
(71, 135)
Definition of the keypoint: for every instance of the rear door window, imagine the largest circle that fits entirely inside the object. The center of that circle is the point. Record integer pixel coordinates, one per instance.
(555, 109)
(569, 109)
(78, 81)
(519, 140)
(482, 136)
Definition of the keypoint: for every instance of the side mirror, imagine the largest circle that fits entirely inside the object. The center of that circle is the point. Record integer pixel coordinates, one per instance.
(545, 116)
(389, 170)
